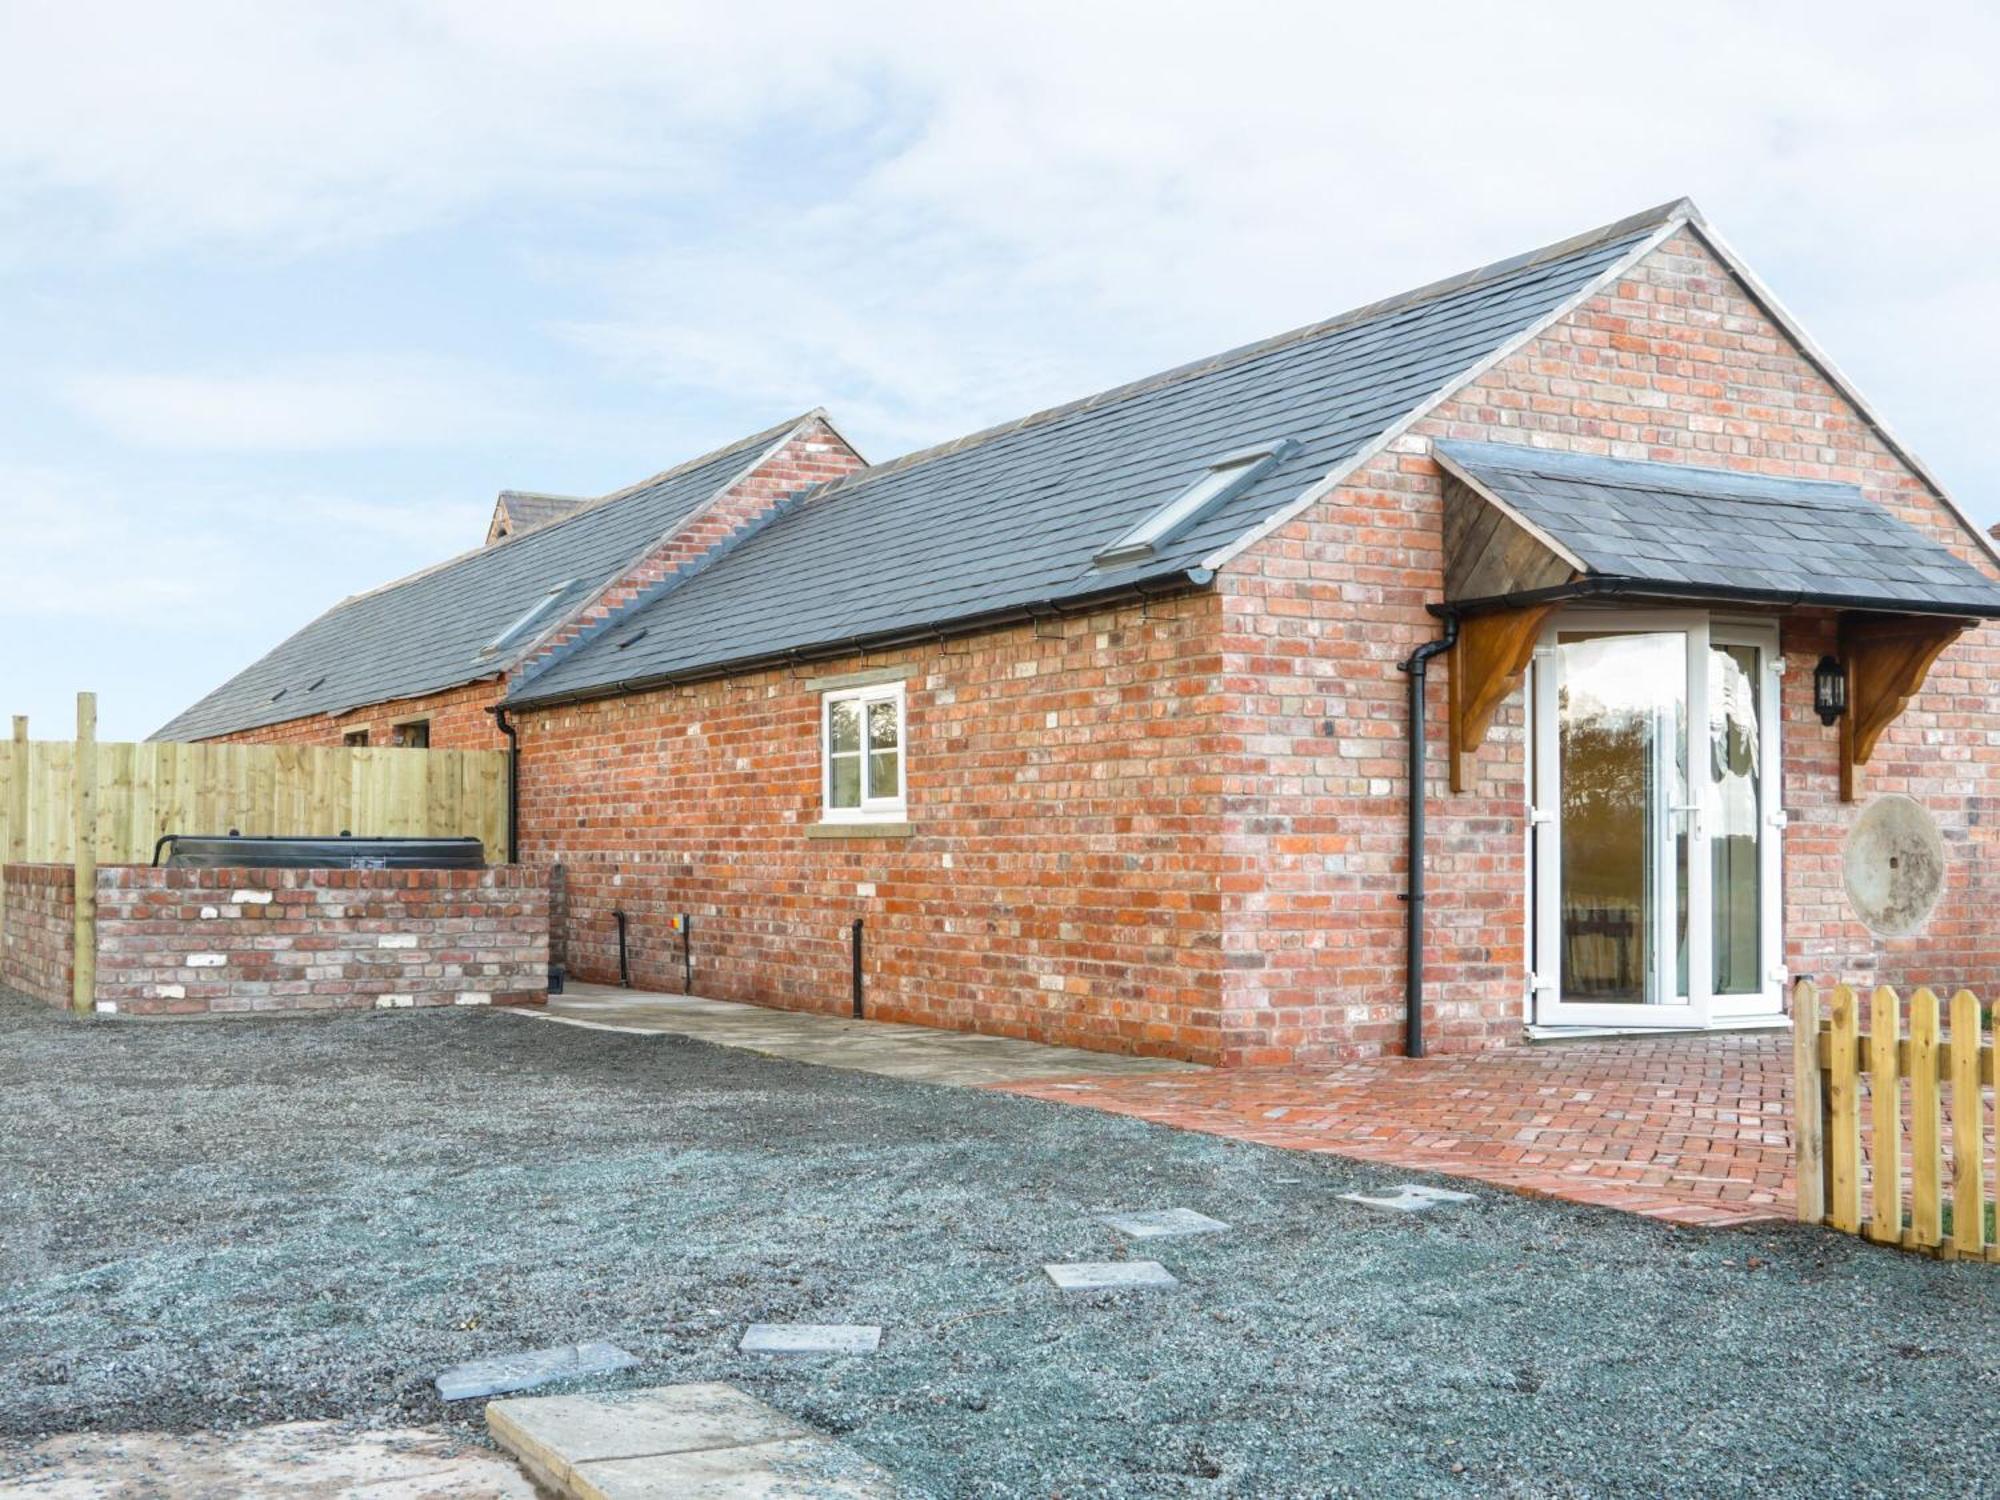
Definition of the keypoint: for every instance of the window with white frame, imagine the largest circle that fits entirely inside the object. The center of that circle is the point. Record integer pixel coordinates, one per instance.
(861, 753)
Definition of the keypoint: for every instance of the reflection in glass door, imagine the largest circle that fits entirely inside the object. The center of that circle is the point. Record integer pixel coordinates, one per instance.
(1735, 764)
(1621, 754)
(1655, 868)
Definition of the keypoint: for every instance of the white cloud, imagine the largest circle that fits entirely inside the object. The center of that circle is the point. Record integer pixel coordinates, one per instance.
(96, 545)
(301, 406)
(227, 124)
(1086, 195)
(152, 591)
(925, 217)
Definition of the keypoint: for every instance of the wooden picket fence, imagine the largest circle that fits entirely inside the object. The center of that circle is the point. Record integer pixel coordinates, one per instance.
(1834, 1056)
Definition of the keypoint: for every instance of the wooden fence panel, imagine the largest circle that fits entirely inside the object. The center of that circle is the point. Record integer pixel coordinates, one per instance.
(1926, 1144)
(1809, 1105)
(1968, 1156)
(144, 791)
(1833, 1057)
(1885, 1089)
(1843, 1103)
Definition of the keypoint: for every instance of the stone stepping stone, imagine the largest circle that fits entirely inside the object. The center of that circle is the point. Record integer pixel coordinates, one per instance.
(1163, 1223)
(1110, 1275)
(677, 1441)
(1410, 1198)
(525, 1370)
(811, 1338)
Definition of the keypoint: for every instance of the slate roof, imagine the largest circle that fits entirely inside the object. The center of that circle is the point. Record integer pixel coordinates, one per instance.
(429, 631)
(527, 509)
(1009, 520)
(1706, 533)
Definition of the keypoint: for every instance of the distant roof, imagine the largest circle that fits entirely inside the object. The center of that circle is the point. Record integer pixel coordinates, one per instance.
(1010, 520)
(524, 510)
(431, 630)
(1689, 532)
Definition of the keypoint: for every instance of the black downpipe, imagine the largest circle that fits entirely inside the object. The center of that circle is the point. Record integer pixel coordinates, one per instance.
(1413, 963)
(858, 1013)
(687, 954)
(506, 727)
(624, 966)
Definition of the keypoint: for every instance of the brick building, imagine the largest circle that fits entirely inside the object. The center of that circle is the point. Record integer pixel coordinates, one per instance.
(424, 660)
(1101, 721)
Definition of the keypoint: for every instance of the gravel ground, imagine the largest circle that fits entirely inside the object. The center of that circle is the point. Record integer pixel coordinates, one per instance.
(212, 1224)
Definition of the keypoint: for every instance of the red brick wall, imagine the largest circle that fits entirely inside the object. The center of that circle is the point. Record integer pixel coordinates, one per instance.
(179, 941)
(39, 940)
(1674, 363)
(1061, 882)
(458, 718)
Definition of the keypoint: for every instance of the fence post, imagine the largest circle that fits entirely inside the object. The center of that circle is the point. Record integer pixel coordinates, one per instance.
(1843, 1093)
(1808, 1104)
(16, 849)
(83, 993)
(1968, 1194)
(1926, 1145)
(1885, 1092)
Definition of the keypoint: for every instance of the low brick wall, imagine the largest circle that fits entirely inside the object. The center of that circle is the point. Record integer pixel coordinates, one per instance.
(40, 932)
(189, 942)
(184, 941)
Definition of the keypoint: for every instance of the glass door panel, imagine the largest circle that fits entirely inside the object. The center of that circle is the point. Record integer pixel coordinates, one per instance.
(1654, 776)
(1743, 819)
(1735, 755)
(1621, 751)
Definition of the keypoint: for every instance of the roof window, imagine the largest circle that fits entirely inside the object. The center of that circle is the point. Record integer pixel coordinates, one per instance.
(536, 611)
(1224, 479)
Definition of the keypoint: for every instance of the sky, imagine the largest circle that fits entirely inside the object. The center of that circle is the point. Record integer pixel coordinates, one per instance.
(289, 292)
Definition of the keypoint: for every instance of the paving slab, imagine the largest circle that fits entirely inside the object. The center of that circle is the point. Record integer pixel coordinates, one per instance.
(811, 1338)
(702, 1442)
(792, 1469)
(1409, 1198)
(292, 1461)
(1162, 1223)
(1110, 1275)
(928, 1054)
(528, 1368)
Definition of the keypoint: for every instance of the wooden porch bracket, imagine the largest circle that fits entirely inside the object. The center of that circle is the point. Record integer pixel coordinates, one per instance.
(1886, 658)
(1492, 653)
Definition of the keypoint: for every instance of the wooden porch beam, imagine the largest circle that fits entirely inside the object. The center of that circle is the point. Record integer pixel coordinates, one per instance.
(1886, 658)
(1492, 653)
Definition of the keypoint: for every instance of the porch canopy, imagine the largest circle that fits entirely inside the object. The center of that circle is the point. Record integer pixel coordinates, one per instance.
(1527, 530)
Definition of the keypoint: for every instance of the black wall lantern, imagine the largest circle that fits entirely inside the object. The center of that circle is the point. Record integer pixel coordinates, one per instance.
(1829, 689)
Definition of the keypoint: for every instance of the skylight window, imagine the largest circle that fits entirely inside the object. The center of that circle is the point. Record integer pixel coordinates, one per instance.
(1224, 480)
(537, 611)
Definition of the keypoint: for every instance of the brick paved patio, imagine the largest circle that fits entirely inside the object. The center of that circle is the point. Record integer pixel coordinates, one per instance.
(1692, 1130)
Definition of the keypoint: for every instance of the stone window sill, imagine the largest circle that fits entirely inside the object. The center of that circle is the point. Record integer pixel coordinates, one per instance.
(859, 830)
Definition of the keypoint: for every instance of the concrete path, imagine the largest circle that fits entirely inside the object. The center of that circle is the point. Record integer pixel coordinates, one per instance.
(924, 1053)
(678, 1442)
(294, 1461)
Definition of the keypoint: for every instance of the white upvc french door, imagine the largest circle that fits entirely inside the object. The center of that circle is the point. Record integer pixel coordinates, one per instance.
(1654, 785)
